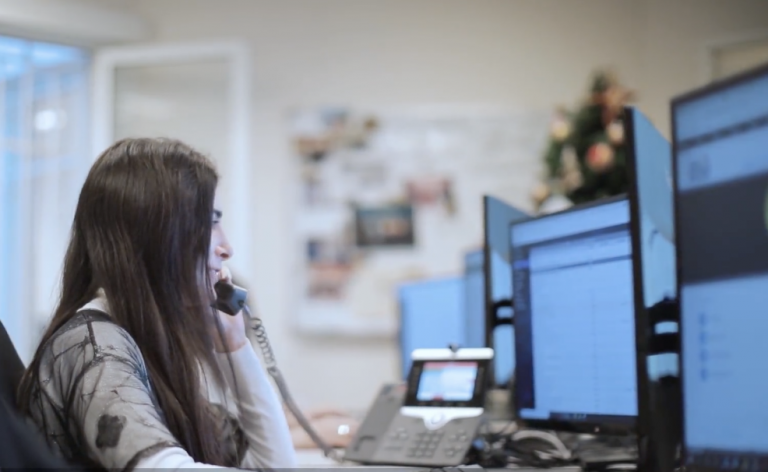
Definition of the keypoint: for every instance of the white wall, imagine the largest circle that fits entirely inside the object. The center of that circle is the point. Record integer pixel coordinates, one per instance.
(677, 35)
(399, 52)
(82, 22)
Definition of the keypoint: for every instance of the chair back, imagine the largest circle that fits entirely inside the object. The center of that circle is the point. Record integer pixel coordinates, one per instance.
(12, 368)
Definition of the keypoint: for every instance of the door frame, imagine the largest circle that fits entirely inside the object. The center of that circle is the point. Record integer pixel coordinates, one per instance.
(237, 55)
(708, 49)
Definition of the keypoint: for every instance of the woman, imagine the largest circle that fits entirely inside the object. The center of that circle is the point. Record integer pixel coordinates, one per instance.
(136, 368)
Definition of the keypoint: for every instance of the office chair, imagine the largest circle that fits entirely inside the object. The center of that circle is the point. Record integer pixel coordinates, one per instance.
(13, 368)
(23, 446)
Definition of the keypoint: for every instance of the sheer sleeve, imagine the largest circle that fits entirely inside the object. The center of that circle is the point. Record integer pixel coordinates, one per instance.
(97, 372)
(261, 414)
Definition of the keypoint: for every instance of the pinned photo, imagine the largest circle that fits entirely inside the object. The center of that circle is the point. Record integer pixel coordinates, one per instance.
(329, 264)
(384, 226)
(431, 191)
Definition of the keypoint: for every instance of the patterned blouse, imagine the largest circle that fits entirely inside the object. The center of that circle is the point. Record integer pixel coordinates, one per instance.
(93, 400)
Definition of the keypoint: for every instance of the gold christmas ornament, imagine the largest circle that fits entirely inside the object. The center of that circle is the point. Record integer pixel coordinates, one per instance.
(572, 180)
(561, 128)
(615, 132)
(540, 193)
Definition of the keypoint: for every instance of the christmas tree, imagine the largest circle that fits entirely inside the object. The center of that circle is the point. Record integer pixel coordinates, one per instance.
(585, 157)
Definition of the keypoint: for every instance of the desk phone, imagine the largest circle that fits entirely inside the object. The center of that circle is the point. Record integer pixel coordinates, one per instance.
(439, 415)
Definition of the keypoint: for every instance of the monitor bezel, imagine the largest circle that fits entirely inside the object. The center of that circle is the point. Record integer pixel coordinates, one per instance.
(677, 102)
(644, 323)
(601, 425)
(482, 357)
(466, 272)
(490, 318)
(635, 233)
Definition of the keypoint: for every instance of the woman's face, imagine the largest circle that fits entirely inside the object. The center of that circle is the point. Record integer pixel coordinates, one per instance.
(220, 249)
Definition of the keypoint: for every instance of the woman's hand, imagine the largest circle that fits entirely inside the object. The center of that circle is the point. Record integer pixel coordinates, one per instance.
(231, 335)
(337, 431)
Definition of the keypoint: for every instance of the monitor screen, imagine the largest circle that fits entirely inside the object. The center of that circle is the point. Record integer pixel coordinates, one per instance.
(498, 216)
(474, 299)
(574, 311)
(721, 177)
(649, 160)
(447, 381)
(431, 316)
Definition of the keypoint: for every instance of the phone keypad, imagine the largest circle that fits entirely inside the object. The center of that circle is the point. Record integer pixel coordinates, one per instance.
(425, 444)
(408, 441)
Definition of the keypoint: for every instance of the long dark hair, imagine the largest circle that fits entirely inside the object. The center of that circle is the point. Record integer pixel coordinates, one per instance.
(142, 232)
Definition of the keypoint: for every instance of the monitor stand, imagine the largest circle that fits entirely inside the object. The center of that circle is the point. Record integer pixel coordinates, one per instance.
(498, 405)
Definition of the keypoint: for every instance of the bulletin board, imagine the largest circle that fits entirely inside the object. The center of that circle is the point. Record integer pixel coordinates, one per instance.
(383, 197)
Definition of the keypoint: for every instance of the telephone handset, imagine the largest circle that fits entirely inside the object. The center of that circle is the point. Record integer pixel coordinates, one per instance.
(230, 299)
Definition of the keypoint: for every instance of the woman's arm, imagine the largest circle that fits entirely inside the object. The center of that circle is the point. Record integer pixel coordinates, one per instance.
(107, 394)
(261, 413)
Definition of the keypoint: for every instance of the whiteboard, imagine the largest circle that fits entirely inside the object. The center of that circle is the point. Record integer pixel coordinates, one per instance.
(437, 162)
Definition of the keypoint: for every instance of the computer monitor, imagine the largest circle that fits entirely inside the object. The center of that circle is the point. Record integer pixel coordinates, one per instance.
(474, 299)
(574, 319)
(499, 332)
(431, 316)
(649, 164)
(720, 142)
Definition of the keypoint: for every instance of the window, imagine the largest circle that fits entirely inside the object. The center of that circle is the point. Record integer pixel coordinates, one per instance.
(44, 157)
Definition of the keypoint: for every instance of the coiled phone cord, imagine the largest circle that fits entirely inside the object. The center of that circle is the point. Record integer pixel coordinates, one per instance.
(261, 339)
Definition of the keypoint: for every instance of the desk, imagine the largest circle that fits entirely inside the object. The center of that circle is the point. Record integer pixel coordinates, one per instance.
(314, 458)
